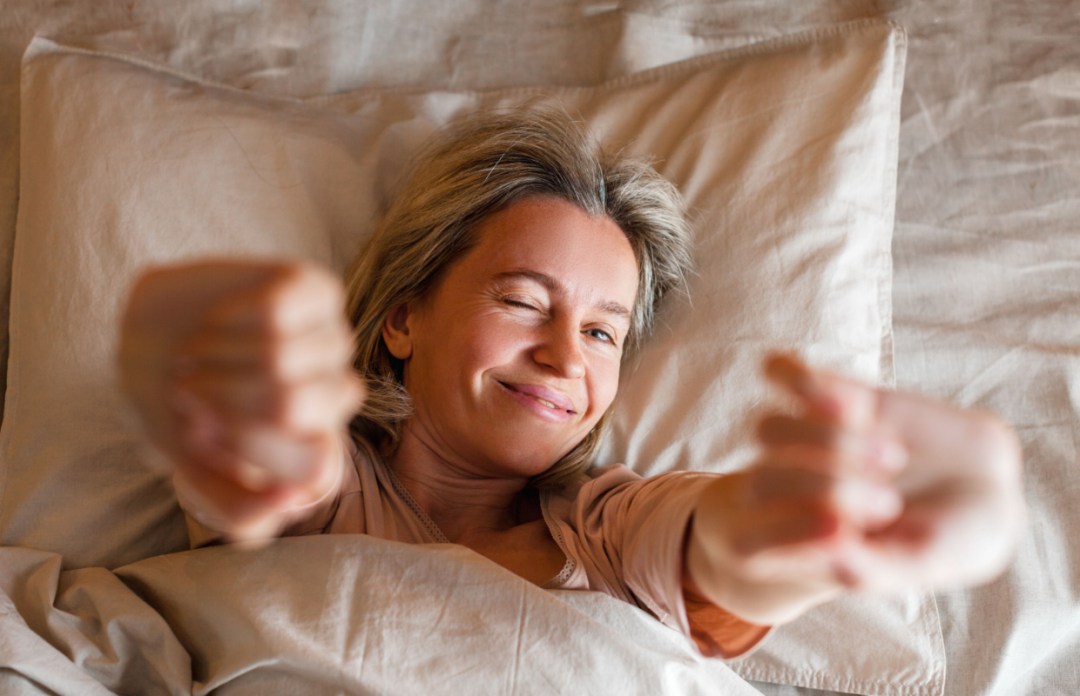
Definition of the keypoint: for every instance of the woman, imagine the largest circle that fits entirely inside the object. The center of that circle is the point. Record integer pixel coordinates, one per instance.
(505, 287)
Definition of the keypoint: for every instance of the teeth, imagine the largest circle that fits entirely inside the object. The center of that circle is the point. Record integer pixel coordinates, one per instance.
(545, 402)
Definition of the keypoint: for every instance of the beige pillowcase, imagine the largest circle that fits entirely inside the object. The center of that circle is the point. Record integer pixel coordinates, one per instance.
(786, 151)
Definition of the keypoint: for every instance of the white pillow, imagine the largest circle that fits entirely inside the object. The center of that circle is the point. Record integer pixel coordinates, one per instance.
(786, 151)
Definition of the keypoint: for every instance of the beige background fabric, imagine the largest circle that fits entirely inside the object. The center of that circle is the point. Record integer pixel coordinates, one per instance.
(124, 165)
(986, 303)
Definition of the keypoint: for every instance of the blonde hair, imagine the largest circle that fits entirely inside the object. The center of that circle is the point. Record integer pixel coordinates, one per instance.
(477, 167)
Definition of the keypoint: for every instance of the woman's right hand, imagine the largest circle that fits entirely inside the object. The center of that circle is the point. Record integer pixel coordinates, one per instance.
(242, 375)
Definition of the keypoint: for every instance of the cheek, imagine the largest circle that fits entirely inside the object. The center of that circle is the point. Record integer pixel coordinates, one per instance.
(482, 344)
(605, 384)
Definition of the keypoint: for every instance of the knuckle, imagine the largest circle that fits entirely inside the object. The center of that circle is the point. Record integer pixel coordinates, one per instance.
(272, 296)
(277, 361)
(279, 404)
(831, 438)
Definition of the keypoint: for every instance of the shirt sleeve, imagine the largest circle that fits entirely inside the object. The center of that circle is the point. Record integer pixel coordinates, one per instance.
(628, 534)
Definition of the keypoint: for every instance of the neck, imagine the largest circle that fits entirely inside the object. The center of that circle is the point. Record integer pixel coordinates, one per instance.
(465, 502)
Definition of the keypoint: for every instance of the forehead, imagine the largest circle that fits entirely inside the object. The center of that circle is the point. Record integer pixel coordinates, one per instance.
(588, 255)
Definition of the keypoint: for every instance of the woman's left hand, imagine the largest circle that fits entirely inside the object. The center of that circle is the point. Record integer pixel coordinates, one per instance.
(861, 488)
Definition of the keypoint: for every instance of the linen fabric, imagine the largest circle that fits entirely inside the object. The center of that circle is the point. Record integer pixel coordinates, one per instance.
(986, 307)
(785, 150)
(329, 614)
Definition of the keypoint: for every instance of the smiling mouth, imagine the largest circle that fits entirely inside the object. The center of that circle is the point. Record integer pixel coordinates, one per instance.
(531, 393)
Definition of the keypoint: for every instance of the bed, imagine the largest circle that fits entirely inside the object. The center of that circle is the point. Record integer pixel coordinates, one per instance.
(890, 188)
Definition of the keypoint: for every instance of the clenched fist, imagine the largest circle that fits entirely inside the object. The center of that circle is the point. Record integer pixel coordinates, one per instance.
(241, 374)
(859, 488)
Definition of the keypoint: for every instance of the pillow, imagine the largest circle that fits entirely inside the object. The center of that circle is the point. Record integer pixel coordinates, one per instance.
(785, 150)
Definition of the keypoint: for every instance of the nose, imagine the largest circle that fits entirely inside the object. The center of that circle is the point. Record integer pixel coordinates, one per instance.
(560, 350)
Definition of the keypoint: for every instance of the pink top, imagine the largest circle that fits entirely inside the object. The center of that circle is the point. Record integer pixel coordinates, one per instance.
(622, 535)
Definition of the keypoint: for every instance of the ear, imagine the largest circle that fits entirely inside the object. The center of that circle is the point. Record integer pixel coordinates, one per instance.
(395, 332)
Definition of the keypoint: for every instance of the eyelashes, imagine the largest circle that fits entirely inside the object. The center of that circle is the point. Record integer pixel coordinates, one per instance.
(517, 301)
(603, 335)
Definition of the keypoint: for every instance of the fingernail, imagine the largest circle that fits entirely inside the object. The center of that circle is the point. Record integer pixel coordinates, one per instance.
(808, 385)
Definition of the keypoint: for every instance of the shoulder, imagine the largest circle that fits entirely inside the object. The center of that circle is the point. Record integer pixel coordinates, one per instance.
(594, 480)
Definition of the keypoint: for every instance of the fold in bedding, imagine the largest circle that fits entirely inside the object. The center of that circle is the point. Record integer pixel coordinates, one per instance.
(329, 614)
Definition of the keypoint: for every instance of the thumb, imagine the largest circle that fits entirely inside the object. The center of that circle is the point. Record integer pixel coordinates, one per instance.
(823, 394)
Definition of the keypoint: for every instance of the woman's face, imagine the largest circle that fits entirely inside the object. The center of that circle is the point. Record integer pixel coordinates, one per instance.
(514, 355)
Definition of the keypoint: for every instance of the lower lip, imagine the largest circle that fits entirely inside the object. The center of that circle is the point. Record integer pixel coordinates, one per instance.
(555, 415)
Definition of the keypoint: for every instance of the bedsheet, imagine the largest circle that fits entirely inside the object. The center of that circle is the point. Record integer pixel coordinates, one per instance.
(986, 250)
(198, 622)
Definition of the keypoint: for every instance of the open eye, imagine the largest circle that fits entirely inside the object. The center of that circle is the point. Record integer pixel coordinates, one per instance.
(601, 335)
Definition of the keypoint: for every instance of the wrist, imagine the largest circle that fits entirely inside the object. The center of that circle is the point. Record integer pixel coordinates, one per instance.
(765, 591)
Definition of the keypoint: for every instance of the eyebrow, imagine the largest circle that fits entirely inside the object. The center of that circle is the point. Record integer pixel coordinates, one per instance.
(553, 285)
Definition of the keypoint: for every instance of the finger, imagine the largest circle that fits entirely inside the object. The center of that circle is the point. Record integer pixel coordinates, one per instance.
(306, 462)
(223, 498)
(885, 565)
(293, 299)
(823, 394)
(205, 441)
(771, 481)
(822, 445)
(319, 403)
(793, 376)
(861, 503)
(185, 293)
(868, 506)
(224, 505)
(252, 456)
(781, 429)
(930, 545)
(785, 525)
(322, 348)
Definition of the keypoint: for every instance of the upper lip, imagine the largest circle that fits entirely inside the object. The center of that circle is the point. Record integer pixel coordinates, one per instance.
(537, 391)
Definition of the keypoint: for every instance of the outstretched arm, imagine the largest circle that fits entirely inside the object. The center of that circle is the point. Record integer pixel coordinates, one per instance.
(861, 488)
